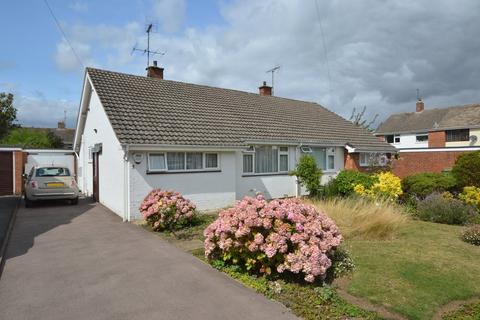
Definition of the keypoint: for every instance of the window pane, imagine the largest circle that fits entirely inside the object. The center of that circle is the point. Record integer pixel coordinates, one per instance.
(283, 162)
(458, 135)
(283, 149)
(157, 161)
(211, 160)
(320, 156)
(176, 160)
(389, 139)
(363, 159)
(397, 139)
(248, 163)
(266, 159)
(194, 160)
(422, 138)
(331, 162)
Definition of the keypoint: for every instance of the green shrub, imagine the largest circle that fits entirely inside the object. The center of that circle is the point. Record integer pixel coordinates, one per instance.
(346, 180)
(437, 208)
(472, 235)
(308, 174)
(467, 169)
(423, 184)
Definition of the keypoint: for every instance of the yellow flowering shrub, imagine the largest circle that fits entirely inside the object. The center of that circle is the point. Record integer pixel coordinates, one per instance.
(386, 185)
(471, 196)
(447, 195)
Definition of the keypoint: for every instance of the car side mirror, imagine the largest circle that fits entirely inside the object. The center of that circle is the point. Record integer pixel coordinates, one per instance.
(25, 176)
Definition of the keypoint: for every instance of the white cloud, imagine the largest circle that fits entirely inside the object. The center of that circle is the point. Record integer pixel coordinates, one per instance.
(379, 52)
(171, 14)
(39, 111)
(79, 6)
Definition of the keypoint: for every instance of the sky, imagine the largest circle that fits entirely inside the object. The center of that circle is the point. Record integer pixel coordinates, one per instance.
(341, 54)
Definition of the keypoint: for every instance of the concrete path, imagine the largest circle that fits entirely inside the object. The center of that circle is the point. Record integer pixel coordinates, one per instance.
(82, 262)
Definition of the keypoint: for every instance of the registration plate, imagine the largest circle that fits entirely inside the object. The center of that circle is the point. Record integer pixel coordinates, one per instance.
(55, 184)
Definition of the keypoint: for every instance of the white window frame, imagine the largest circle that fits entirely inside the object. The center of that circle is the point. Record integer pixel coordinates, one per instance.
(252, 152)
(395, 136)
(165, 154)
(423, 135)
(330, 151)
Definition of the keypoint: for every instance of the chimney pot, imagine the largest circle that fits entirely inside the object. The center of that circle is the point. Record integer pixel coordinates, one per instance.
(265, 90)
(154, 71)
(61, 125)
(420, 106)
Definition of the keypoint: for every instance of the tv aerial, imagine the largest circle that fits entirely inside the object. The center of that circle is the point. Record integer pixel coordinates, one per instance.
(149, 29)
(272, 70)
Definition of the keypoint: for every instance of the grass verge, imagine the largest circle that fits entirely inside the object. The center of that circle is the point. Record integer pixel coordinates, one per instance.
(425, 267)
(466, 312)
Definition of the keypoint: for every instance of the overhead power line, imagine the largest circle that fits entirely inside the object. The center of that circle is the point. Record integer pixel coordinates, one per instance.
(325, 52)
(63, 33)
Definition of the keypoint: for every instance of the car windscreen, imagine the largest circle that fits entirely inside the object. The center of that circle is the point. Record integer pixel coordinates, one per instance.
(52, 172)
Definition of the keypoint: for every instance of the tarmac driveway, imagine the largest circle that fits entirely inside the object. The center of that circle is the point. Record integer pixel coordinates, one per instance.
(82, 262)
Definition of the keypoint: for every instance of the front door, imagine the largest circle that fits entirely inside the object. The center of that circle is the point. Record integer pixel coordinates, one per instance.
(96, 195)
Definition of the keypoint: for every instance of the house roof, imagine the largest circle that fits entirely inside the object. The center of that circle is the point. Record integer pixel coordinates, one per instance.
(153, 111)
(457, 117)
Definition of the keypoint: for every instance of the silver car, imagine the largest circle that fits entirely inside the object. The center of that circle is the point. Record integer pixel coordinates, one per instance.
(50, 182)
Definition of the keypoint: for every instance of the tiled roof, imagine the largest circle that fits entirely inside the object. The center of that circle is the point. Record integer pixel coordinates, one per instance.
(457, 117)
(146, 110)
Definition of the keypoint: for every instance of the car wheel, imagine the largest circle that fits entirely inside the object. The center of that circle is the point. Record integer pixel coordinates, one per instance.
(74, 201)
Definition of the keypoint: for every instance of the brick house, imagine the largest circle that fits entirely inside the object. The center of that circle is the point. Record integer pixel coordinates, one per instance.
(430, 140)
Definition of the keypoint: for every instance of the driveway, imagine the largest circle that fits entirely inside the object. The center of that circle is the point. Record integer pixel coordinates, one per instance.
(83, 262)
(7, 207)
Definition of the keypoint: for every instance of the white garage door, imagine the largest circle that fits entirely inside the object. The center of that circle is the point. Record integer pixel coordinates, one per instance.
(50, 157)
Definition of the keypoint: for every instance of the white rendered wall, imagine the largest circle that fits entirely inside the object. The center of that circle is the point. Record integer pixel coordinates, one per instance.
(410, 141)
(111, 164)
(208, 190)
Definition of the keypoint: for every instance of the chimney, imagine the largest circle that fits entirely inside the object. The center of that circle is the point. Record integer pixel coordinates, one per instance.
(265, 90)
(420, 106)
(154, 71)
(61, 125)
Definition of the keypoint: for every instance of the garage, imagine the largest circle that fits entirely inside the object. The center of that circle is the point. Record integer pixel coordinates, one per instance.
(6, 173)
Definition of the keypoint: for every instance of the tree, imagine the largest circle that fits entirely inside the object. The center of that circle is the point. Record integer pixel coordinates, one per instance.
(8, 114)
(55, 141)
(308, 174)
(32, 138)
(357, 118)
(467, 169)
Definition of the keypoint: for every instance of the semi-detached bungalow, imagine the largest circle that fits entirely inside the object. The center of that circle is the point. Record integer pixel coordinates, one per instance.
(213, 145)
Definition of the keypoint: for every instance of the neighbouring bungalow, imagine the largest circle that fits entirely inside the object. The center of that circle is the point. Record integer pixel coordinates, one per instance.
(430, 140)
(213, 145)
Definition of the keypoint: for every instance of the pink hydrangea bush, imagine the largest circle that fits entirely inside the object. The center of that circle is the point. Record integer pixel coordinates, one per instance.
(276, 236)
(164, 209)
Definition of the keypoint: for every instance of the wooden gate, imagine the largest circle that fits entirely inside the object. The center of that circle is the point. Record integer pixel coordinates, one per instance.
(6, 173)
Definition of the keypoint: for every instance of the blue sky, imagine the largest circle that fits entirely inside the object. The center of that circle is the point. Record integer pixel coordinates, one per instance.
(376, 53)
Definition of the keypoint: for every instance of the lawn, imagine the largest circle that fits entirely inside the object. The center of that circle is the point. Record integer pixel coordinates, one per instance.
(423, 268)
(414, 271)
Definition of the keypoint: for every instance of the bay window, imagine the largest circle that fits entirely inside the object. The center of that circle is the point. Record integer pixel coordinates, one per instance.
(266, 159)
(325, 158)
(182, 161)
